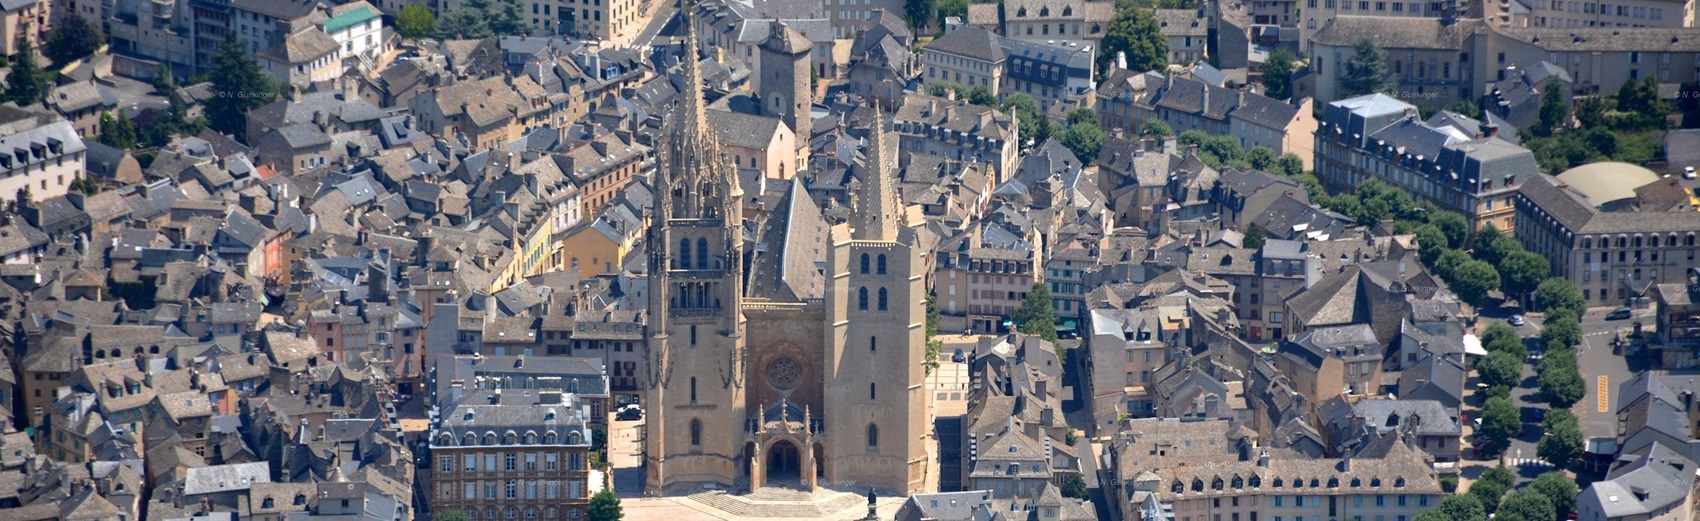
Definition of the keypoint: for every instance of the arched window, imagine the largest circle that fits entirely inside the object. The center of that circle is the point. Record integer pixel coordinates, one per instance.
(530, 438)
(549, 438)
(684, 253)
(882, 299)
(1021, 13)
(573, 438)
(881, 265)
(1044, 11)
(873, 344)
(702, 254)
(862, 299)
(446, 440)
(871, 394)
(489, 513)
(1256, 481)
(873, 436)
(1216, 484)
(470, 439)
(300, 499)
(1177, 487)
(268, 503)
(696, 432)
(1238, 482)
(489, 438)
(864, 264)
(509, 439)
(1197, 485)
(693, 389)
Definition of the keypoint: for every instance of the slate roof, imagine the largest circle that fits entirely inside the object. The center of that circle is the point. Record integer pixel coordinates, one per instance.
(969, 42)
(1397, 33)
(225, 478)
(1606, 39)
(1180, 22)
(743, 130)
(302, 47)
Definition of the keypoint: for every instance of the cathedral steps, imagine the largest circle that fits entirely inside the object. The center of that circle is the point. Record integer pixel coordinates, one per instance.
(784, 503)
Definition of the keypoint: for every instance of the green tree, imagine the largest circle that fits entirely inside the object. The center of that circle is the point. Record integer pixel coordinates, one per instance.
(1497, 336)
(24, 83)
(1559, 294)
(919, 14)
(1473, 280)
(1500, 368)
(73, 39)
(1036, 316)
(1261, 157)
(1449, 262)
(1492, 485)
(86, 184)
(450, 515)
(1432, 514)
(1528, 504)
(933, 345)
(1451, 224)
(117, 133)
(1500, 422)
(1290, 165)
(1466, 107)
(1463, 507)
(1561, 380)
(1555, 108)
(956, 8)
(1559, 489)
(238, 86)
(1254, 236)
(1492, 245)
(416, 21)
(1155, 129)
(1431, 242)
(1278, 74)
(1135, 33)
(605, 506)
(1085, 139)
(1561, 328)
(1561, 439)
(1523, 271)
(1074, 486)
(1366, 71)
(1641, 99)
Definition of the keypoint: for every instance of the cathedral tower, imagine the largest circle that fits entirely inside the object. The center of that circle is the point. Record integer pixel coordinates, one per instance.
(694, 359)
(876, 401)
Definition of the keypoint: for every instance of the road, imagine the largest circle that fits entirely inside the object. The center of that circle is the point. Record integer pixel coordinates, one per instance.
(1597, 411)
(662, 16)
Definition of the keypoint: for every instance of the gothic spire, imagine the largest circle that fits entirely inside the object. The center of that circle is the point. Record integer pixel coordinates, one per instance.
(878, 211)
(696, 120)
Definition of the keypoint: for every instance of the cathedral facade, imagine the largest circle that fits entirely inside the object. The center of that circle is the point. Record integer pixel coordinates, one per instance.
(790, 358)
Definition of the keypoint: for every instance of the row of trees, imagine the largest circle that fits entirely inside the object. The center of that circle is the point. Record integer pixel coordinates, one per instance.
(1550, 497)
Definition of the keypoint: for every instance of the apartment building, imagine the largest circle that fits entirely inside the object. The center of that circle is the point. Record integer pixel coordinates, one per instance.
(43, 155)
(1077, 22)
(956, 130)
(983, 274)
(1613, 229)
(1204, 472)
(967, 56)
(512, 454)
(23, 19)
(1621, 13)
(1455, 162)
(1049, 73)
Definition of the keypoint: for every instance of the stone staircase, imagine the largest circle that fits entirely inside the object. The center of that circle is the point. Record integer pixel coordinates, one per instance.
(774, 502)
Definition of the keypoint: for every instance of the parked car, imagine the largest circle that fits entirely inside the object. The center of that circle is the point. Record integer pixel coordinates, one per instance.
(1516, 320)
(1688, 172)
(1622, 313)
(629, 413)
(958, 356)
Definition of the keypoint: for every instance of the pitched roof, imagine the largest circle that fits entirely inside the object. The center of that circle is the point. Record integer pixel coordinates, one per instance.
(969, 42)
(1397, 33)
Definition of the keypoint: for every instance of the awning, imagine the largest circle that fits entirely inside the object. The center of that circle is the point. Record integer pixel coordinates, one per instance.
(1473, 346)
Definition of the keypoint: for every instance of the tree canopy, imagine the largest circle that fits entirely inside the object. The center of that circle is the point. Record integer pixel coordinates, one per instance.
(1366, 70)
(1492, 485)
(1522, 271)
(1559, 294)
(238, 86)
(605, 506)
(1036, 316)
(1527, 504)
(1559, 489)
(1472, 281)
(1278, 74)
(74, 38)
(1500, 422)
(919, 14)
(416, 21)
(1134, 32)
(24, 83)
(1561, 439)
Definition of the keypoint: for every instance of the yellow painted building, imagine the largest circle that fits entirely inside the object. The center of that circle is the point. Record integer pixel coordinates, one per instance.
(594, 248)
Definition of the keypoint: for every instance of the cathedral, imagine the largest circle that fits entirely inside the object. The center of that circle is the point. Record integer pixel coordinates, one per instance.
(786, 352)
